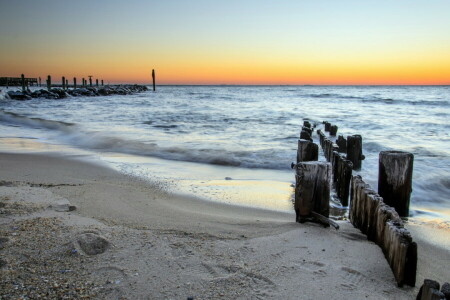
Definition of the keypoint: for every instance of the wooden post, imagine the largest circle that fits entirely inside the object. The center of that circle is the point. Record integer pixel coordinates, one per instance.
(327, 126)
(312, 190)
(67, 84)
(23, 82)
(354, 150)
(307, 129)
(333, 130)
(342, 176)
(305, 135)
(102, 82)
(307, 151)
(307, 124)
(74, 83)
(430, 291)
(395, 179)
(96, 82)
(83, 82)
(154, 80)
(90, 80)
(49, 82)
(39, 81)
(342, 144)
(63, 83)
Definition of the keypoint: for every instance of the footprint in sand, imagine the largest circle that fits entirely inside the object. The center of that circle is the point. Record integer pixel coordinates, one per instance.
(353, 278)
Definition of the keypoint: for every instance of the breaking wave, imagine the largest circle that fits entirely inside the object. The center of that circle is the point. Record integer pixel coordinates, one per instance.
(75, 135)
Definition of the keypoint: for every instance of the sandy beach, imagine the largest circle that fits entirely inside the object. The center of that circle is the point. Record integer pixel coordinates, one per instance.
(152, 244)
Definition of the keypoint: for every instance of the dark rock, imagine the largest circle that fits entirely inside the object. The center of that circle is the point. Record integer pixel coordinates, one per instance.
(18, 95)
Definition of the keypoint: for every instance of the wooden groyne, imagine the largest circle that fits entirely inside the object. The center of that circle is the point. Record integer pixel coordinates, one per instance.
(64, 90)
(368, 211)
(382, 225)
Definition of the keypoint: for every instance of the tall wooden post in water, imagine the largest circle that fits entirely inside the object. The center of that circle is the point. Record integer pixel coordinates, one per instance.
(74, 83)
(49, 82)
(39, 81)
(63, 83)
(96, 82)
(154, 82)
(90, 80)
(23, 82)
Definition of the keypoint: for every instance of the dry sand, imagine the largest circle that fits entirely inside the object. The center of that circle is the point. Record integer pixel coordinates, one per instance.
(165, 246)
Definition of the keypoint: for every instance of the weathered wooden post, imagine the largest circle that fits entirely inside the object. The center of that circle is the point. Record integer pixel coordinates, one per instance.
(342, 176)
(333, 130)
(67, 84)
(307, 124)
(342, 144)
(49, 82)
(102, 82)
(74, 83)
(96, 82)
(39, 81)
(354, 150)
(327, 126)
(395, 179)
(154, 80)
(83, 84)
(90, 80)
(22, 77)
(430, 291)
(312, 191)
(307, 151)
(63, 83)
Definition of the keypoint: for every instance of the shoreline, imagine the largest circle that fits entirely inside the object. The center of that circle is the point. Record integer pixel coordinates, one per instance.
(181, 246)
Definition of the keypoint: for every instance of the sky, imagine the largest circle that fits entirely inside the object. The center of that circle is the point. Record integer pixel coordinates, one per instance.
(228, 42)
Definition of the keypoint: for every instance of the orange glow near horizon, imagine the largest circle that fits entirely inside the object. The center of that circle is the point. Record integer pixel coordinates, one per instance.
(238, 42)
(241, 72)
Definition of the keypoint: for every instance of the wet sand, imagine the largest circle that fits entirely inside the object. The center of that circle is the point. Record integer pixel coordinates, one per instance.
(166, 246)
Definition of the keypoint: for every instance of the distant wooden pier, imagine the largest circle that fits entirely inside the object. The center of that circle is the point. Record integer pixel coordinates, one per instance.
(17, 81)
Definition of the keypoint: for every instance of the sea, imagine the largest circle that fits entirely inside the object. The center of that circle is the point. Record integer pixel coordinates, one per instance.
(235, 144)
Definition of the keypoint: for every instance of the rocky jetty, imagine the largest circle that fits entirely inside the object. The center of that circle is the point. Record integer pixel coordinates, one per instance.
(59, 93)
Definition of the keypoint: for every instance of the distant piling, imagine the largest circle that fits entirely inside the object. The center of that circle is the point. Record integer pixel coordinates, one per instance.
(90, 80)
(22, 77)
(154, 80)
(49, 82)
(74, 82)
(102, 82)
(63, 82)
(39, 81)
(83, 82)
(96, 82)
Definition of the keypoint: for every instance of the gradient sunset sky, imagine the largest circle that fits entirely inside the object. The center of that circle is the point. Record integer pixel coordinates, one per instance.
(229, 42)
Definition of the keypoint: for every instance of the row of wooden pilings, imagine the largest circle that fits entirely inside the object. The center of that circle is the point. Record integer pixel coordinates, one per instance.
(64, 82)
(375, 214)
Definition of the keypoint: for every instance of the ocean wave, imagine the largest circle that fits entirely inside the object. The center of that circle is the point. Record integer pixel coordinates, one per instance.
(19, 120)
(75, 135)
(377, 99)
